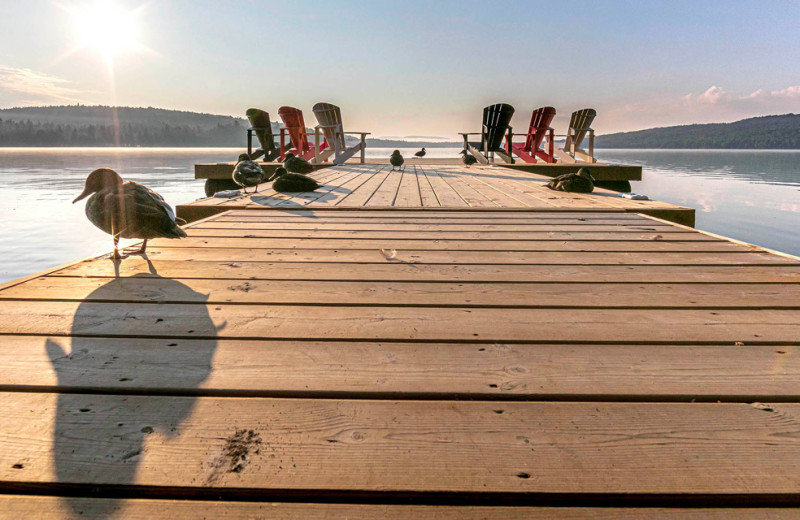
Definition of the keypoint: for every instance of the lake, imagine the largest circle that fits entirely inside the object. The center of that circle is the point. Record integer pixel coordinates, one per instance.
(748, 195)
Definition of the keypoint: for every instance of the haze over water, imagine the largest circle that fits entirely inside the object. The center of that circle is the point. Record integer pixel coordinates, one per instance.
(748, 195)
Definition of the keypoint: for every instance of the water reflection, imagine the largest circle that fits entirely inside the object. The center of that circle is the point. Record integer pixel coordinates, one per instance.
(752, 196)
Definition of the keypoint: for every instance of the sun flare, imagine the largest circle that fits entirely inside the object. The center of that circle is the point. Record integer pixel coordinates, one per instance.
(105, 28)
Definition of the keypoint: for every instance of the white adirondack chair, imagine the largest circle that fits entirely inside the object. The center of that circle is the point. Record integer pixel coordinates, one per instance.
(579, 125)
(329, 118)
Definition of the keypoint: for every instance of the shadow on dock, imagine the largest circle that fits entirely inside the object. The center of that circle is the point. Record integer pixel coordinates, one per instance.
(103, 439)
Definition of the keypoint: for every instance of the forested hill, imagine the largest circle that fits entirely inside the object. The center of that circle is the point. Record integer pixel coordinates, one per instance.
(81, 125)
(779, 132)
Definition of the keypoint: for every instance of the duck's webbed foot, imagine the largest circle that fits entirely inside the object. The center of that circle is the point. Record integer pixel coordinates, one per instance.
(132, 251)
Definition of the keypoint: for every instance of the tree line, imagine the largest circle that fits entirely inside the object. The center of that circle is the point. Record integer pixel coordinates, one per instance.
(43, 133)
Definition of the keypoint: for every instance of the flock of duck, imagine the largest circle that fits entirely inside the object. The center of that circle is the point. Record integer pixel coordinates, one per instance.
(131, 210)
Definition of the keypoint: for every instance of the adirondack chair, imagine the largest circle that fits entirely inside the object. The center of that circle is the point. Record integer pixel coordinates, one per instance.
(539, 127)
(295, 126)
(330, 123)
(261, 126)
(579, 125)
(496, 119)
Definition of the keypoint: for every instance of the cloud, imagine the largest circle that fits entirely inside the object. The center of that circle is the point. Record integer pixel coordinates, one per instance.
(28, 87)
(783, 99)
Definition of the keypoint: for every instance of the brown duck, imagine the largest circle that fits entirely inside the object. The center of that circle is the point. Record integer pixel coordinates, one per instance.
(581, 182)
(128, 210)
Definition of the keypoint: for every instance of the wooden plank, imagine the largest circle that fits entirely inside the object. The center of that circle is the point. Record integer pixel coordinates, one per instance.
(371, 370)
(601, 172)
(52, 508)
(399, 323)
(521, 294)
(436, 213)
(396, 271)
(416, 256)
(360, 196)
(386, 193)
(633, 227)
(408, 194)
(426, 191)
(253, 242)
(445, 194)
(473, 197)
(375, 448)
(463, 235)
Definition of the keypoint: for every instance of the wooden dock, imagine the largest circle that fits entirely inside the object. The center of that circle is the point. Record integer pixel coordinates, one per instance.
(436, 186)
(297, 357)
(600, 171)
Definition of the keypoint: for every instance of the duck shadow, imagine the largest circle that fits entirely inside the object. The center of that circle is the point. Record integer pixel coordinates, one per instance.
(323, 194)
(101, 428)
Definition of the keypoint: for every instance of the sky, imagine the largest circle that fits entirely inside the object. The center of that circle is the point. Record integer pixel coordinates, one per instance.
(414, 67)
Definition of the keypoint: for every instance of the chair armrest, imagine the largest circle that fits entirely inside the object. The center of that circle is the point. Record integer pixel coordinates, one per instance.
(358, 133)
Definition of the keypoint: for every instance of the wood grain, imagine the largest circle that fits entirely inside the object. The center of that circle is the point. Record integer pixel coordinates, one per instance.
(399, 446)
(53, 508)
(342, 322)
(401, 370)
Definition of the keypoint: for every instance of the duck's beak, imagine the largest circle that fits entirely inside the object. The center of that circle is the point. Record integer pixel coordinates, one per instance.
(83, 195)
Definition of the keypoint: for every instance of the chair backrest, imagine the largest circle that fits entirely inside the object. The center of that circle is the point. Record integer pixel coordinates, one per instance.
(540, 123)
(496, 118)
(580, 122)
(330, 118)
(261, 125)
(295, 124)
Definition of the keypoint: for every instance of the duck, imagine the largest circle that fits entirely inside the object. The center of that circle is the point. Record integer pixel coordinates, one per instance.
(396, 159)
(467, 158)
(420, 153)
(128, 210)
(247, 173)
(297, 164)
(581, 182)
(286, 181)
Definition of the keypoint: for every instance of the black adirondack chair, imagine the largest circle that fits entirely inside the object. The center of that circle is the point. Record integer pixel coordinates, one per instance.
(261, 126)
(496, 124)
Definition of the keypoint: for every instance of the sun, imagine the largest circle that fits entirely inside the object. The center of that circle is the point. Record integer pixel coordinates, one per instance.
(105, 28)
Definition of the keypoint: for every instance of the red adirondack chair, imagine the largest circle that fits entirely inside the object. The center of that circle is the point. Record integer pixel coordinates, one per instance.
(295, 126)
(539, 127)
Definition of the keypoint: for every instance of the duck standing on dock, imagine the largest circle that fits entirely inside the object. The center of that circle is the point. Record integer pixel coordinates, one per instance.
(467, 158)
(247, 173)
(128, 210)
(297, 164)
(581, 182)
(292, 182)
(420, 154)
(396, 159)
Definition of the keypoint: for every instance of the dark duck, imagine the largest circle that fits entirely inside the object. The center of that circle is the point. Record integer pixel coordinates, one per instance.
(128, 210)
(396, 159)
(420, 153)
(467, 158)
(297, 164)
(292, 182)
(581, 182)
(247, 173)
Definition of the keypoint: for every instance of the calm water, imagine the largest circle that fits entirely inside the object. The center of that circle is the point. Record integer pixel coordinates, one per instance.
(752, 196)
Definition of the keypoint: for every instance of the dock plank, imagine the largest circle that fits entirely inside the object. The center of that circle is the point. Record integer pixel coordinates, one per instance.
(487, 371)
(52, 508)
(443, 244)
(374, 448)
(415, 256)
(396, 271)
(343, 322)
(518, 294)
